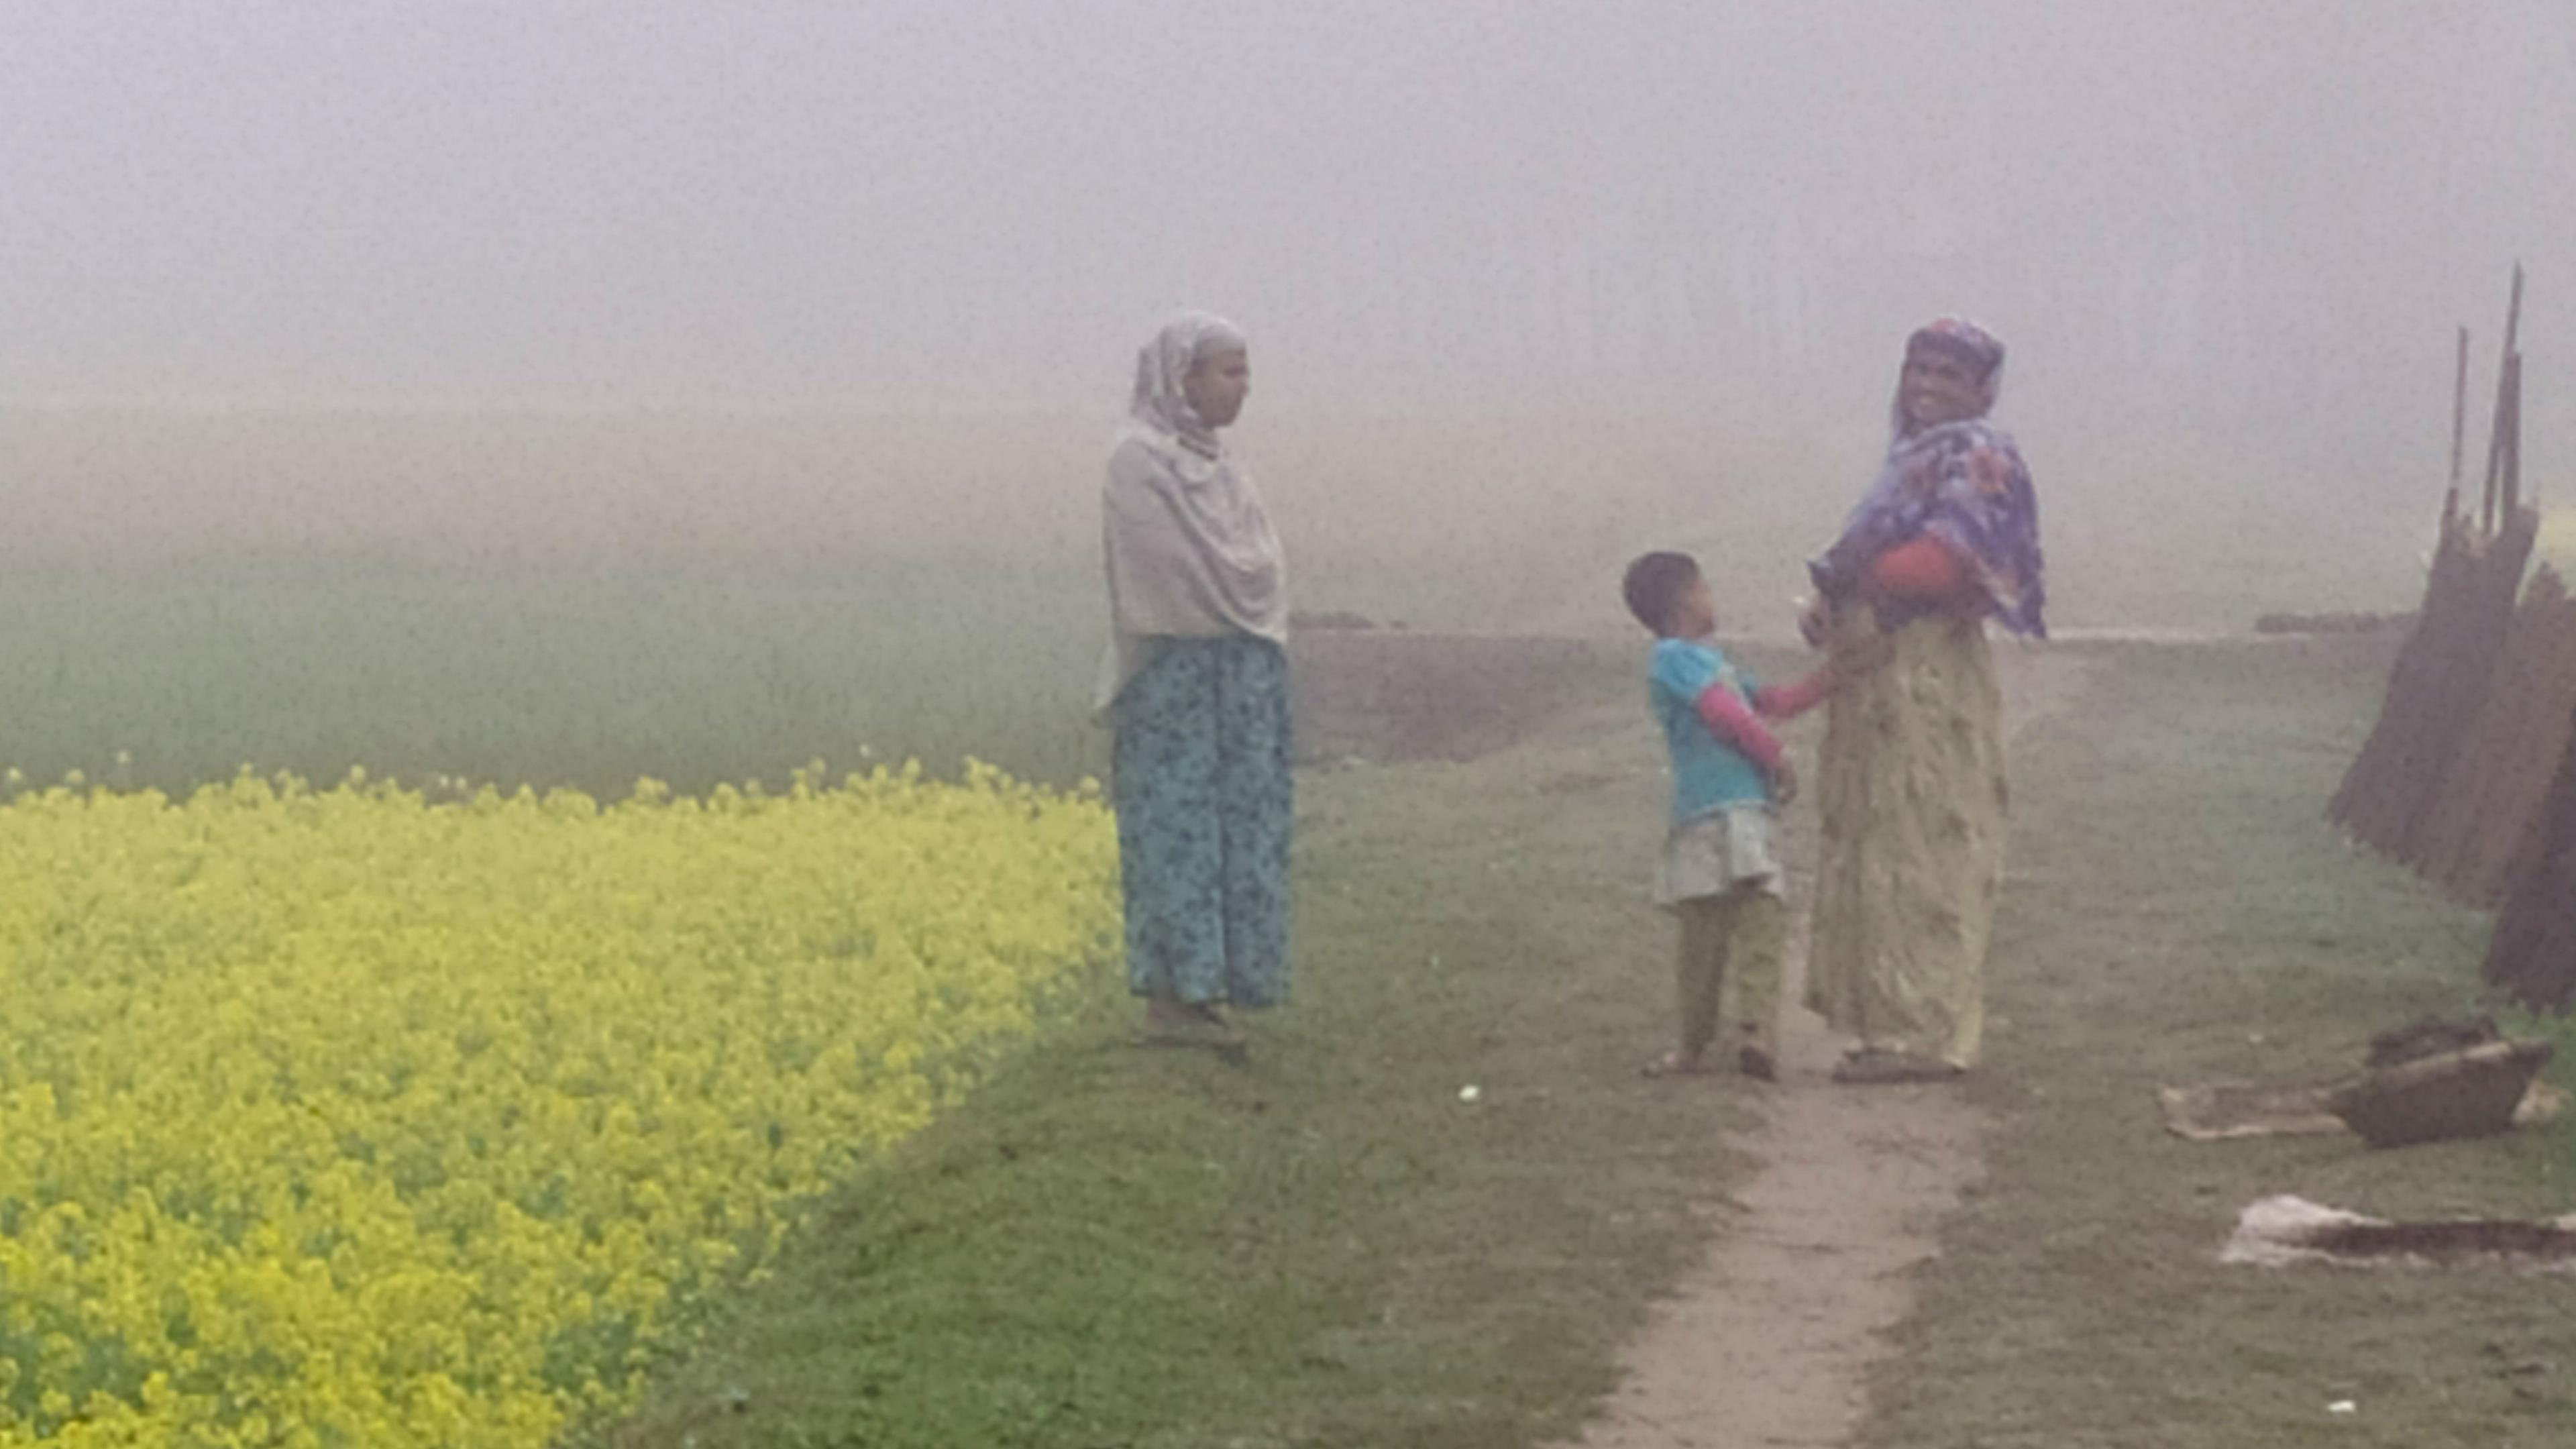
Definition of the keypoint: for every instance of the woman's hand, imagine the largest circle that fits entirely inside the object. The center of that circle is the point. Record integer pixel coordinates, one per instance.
(1816, 623)
(1784, 782)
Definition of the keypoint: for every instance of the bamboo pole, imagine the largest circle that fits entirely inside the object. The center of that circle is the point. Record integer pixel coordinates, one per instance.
(2512, 467)
(2495, 430)
(2459, 421)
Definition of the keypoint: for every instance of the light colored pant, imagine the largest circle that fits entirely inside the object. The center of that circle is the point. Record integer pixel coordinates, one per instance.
(1730, 968)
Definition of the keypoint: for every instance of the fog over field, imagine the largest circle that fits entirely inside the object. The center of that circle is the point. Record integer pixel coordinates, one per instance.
(1530, 286)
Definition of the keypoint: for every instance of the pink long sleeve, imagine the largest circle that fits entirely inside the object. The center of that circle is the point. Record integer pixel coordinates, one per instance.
(1725, 714)
(1788, 701)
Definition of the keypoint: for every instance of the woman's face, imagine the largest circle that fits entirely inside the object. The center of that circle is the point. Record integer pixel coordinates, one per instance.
(1938, 388)
(1217, 385)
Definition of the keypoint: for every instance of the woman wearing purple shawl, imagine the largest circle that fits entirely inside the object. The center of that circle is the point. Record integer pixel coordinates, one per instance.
(1911, 785)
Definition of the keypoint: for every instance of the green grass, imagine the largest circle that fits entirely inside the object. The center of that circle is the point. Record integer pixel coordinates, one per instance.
(1109, 1246)
(2180, 912)
(591, 678)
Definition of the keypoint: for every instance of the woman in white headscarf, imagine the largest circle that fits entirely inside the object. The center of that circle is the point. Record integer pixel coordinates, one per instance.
(1195, 688)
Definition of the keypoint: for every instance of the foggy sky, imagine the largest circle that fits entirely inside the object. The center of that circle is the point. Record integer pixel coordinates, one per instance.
(2211, 213)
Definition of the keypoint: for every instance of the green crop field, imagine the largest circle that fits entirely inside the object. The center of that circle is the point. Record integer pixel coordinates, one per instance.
(592, 679)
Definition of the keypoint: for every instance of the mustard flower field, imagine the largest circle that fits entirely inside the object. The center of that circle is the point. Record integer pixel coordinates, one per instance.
(358, 1116)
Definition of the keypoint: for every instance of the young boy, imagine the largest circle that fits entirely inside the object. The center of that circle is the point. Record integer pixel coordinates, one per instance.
(1720, 874)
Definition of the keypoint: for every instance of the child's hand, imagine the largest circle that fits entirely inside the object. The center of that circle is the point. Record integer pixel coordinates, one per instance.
(1866, 656)
(1784, 783)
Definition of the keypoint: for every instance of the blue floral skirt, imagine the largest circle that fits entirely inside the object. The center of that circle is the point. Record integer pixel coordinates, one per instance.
(1199, 776)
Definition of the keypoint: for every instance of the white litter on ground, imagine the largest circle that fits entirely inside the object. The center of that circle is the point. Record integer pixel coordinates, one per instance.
(2290, 1229)
(2281, 1229)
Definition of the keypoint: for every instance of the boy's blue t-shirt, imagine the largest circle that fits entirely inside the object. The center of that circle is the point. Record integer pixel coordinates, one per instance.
(1707, 773)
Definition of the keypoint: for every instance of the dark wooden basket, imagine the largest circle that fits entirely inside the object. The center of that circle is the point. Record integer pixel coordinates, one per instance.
(2466, 1093)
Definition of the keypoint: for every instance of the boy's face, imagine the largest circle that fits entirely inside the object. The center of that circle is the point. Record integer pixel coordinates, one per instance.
(1694, 613)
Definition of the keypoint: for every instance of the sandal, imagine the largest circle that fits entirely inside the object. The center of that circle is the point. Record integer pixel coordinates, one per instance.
(1194, 1024)
(1175, 1024)
(1756, 1063)
(1673, 1064)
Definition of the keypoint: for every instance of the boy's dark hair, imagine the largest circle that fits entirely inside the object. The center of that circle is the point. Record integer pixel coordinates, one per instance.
(1654, 581)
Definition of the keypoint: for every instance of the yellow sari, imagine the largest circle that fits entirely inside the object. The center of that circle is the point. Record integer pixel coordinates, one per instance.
(1912, 792)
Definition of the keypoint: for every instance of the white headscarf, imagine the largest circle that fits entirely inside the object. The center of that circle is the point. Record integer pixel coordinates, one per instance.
(1189, 548)
(1163, 364)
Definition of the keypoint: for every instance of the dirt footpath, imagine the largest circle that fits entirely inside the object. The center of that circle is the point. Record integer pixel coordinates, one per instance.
(1770, 1341)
